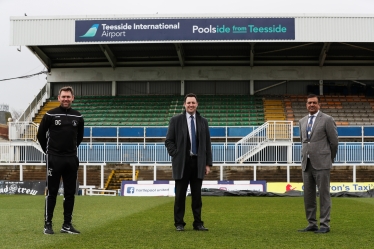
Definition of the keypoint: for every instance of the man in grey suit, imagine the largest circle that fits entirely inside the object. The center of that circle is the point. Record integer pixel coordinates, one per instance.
(319, 138)
(188, 143)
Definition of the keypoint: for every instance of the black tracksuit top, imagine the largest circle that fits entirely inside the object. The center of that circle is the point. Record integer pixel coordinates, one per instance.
(61, 132)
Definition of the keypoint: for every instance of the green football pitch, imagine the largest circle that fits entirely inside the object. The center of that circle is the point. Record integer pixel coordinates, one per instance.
(147, 222)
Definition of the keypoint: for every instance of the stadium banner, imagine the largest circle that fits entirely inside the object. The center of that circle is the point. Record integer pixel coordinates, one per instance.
(145, 190)
(335, 187)
(192, 29)
(167, 188)
(22, 188)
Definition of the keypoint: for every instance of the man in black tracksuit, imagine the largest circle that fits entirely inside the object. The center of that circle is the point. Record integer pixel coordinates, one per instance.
(60, 133)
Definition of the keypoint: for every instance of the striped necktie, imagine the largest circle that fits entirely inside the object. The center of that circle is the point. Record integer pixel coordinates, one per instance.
(309, 127)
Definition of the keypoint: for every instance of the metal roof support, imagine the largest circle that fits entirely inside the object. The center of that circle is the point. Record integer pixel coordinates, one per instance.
(180, 53)
(268, 87)
(44, 59)
(252, 54)
(109, 55)
(358, 82)
(323, 54)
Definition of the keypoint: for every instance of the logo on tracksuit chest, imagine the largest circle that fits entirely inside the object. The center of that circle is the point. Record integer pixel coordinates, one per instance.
(74, 122)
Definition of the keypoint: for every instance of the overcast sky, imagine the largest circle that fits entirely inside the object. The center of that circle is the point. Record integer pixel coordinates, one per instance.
(19, 93)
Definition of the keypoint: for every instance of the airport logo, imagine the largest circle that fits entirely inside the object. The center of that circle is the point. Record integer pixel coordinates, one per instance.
(91, 32)
(130, 190)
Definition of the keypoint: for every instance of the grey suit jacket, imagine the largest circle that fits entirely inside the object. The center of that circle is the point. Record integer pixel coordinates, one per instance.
(176, 144)
(323, 144)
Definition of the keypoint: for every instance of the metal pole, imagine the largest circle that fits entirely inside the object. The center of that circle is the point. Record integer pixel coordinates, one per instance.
(226, 134)
(104, 152)
(102, 176)
(254, 173)
(90, 137)
(84, 174)
(117, 136)
(362, 144)
(144, 134)
(133, 172)
(221, 172)
(139, 152)
(154, 172)
(20, 173)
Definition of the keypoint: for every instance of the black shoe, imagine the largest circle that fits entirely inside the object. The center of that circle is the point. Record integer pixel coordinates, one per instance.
(323, 230)
(179, 228)
(200, 228)
(68, 228)
(48, 228)
(309, 229)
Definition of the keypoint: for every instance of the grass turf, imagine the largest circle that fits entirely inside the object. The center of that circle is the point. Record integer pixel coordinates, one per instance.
(147, 222)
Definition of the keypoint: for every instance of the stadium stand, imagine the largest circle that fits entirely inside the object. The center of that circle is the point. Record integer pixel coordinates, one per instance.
(117, 176)
(46, 107)
(238, 84)
(156, 110)
(220, 110)
(346, 110)
(274, 109)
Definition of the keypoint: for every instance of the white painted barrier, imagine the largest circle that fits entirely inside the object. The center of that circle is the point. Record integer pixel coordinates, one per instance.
(104, 192)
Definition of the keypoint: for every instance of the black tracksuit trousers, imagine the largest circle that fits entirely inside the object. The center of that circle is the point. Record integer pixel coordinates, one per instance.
(67, 168)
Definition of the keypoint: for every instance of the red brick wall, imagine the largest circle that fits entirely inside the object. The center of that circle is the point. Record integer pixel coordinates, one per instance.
(4, 131)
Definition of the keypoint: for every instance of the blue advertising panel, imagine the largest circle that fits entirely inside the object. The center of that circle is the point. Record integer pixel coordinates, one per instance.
(156, 131)
(239, 131)
(131, 132)
(86, 132)
(369, 131)
(104, 131)
(194, 29)
(217, 131)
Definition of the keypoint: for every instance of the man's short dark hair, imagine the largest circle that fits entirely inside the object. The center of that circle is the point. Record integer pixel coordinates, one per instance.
(190, 95)
(66, 89)
(312, 96)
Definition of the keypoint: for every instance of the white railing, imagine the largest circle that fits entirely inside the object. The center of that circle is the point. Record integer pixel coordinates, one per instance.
(84, 165)
(34, 106)
(25, 131)
(270, 132)
(254, 166)
(221, 166)
(348, 153)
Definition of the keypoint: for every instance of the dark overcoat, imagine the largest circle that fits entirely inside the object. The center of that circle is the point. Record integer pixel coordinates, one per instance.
(176, 144)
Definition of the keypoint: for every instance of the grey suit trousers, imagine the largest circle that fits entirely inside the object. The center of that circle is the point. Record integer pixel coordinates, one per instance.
(321, 179)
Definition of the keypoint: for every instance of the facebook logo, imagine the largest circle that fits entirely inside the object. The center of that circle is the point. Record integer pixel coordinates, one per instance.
(130, 190)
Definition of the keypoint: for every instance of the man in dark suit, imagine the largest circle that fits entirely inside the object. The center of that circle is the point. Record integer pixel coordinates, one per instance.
(188, 143)
(319, 138)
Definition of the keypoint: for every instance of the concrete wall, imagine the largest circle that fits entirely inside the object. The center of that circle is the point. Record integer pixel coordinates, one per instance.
(237, 73)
